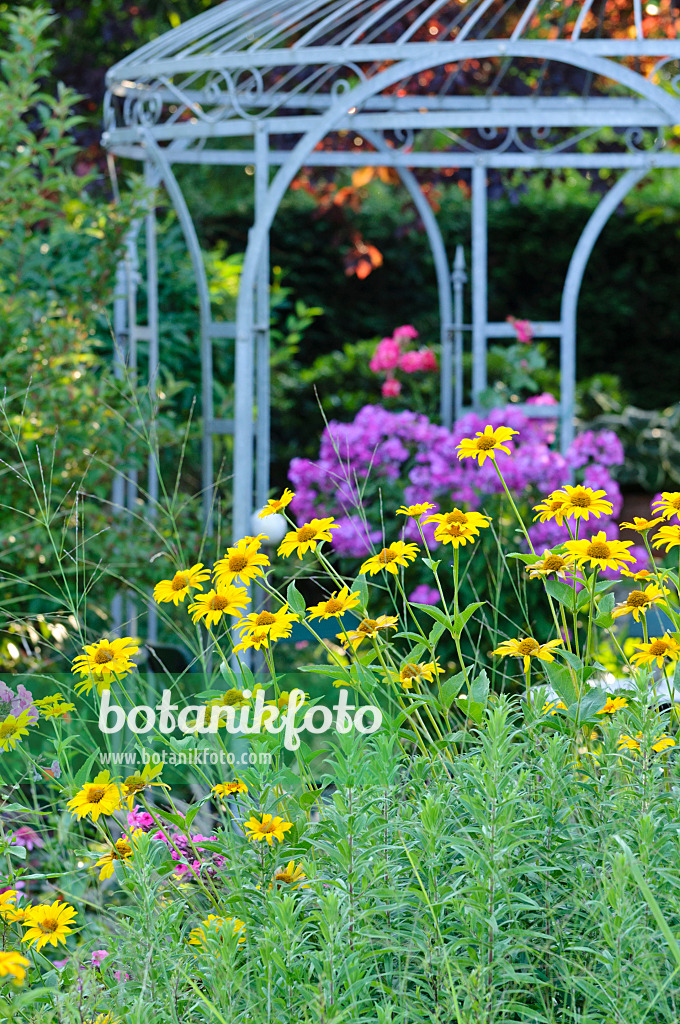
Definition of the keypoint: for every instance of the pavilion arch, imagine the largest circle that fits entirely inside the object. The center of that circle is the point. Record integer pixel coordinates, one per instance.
(224, 88)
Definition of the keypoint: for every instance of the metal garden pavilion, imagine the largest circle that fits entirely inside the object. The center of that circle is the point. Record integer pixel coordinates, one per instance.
(281, 79)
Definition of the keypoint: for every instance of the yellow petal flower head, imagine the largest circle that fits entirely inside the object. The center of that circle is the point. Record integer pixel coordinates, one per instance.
(551, 563)
(48, 923)
(135, 784)
(225, 599)
(584, 502)
(253, 641)
(600, 552)
(292, 876)
(485, 444)
(54, 706)
(661, 743)
(658, 649)
(283, 700)
(13, 965)
(640, 525)
(612, 705)
(182, 582)
(527, 649)
(551, 507)
(268, 828)
(414, 511)
(242, 562)
(336, 605)
(367, 628)
(667, 536)
(275, 625)
(306, 537)
(215, 927)
(121, 850)
(104, 661)
(12, 729)
(638, 601)
(411, 673)
(231, 699)
(7, 904)
(641, 576)
(225, 789)
(627, 742)
(455, 534)
(276, 504)
(668, 505)
(390, 558)
(551, 707)
(101, 796)
(474, 520)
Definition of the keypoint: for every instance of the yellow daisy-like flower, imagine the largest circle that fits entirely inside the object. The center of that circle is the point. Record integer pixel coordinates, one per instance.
(584, 502)
(551, 507)
(613, 704)
(306, 537)
(283, 700)
(12, 729)
(269, 828)
(455, 534)
(48, 923)
(13, 965)
(641, 576)
(414, 511)
(291, 876)
(337, 604)
(121, 850)
(550, 563)
(551, 707)
(215, 926)
(104, 661)
(182, 582)
(136, 784)
(54, 706)
(242, 562)
(527, 649)
(224, 789)
(658, 649)
(276, 504)
(600, 552)
(485, 444)
(668, 505)
(390, 558)
(641, 525)
(367, 628)
(661, 743)
(103, 1018)
(411, 673)
(627, 742)
(638, 601)
(473, 520)
(230, 699)
(667, 536)
(7, 904)
(225, 599)
(102, 796)
(275, 625)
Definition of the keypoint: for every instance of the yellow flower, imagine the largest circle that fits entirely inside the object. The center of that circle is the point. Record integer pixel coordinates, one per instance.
(244, 562)
(600, 552)
(411, 673)
(224, 789)
(103, 1018)
(253, 640)
(230, 699)
(13, 965)
(640, 576)
(527, 649)
(582, 502)
(551, 507)
(638, 601)
(658, 649)
(48, 923)
(283, 700)
(274, 625)
(135, 784)
(367, 628)
(306, 537)
(7, 904)
(627, 742)
(550, 562)
(121, 850)
(101, 796)
(269, 828)
(12, 729)
(455, 534)
(276, 504)
(53, 706)
(414, 511)
(292, 875)
(485, 444)
(337, 604)
(104, 661)
(390, 558)
(668, 505)
(613, 704)
(551, 707)
(225, 599)
(640, 525)
(661, 743)
(182, 582)
(668, 536)
(473, 520)
(213, 925)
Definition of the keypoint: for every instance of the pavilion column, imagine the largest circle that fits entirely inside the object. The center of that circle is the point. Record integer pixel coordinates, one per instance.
(479, 281)
(262, 316)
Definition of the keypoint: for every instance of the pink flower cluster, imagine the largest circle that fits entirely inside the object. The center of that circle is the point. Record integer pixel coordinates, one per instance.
(523, 329)
(393, 354)
(12, 703)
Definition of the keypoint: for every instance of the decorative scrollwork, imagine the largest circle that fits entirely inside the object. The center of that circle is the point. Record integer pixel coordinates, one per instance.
(142, 107)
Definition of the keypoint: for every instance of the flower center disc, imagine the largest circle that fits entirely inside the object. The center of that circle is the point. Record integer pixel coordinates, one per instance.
(265, 619)
(219, 603)
(553, 562)
(306, 533)
(49, 924)
(580, 499)
(386, 556)
(103, 657)
(658, 647)
(527, 646)
(180, 581)
(637, 599)
(484, 443)
(599, 550)
(367, 626)
(237, 563)
(96, 795)
(456, 517)
(333, 606)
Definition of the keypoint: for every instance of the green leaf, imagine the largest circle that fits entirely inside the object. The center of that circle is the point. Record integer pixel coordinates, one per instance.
(192, 812)
(560, 592)
(479, 688)
(592, 702)
(651, 901)
(571, 659)
(84, 773)
(561, 681)
(449, 689)
(436, 614)
(18, 851)
(361, 586)
(435, 633)
(431, 564)
(462, 617)
(174, 819)
(471, 709)
(295, 599)
(605, 608)
(523, 557)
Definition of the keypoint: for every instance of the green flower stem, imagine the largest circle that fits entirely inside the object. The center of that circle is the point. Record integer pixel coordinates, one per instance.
(591, 608)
